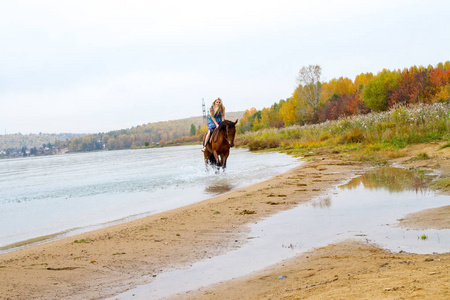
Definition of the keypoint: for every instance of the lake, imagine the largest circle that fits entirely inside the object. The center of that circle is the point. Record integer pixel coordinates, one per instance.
(48, 197)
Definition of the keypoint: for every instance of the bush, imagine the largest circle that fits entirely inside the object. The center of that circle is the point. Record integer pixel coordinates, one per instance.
(354, 136)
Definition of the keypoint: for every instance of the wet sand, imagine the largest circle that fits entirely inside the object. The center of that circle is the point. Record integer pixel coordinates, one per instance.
(433, 218)
(111, 260)
(347, 270)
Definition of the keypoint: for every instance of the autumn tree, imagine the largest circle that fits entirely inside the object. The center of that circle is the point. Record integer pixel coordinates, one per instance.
(309, 79)
(265, 117)
(440, 82)
(201, 132)
(257, 124)
(247, 120)
(377, 92)
(341, 106)
(362, 80)
(413, 86)
(274, 113)
(288, 112)
(341, 86)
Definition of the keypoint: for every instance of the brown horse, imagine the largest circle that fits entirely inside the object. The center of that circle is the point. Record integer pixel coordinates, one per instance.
(222, 140)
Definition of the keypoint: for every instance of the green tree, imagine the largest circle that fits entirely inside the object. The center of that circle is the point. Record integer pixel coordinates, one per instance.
(193, 130)
(377, 92)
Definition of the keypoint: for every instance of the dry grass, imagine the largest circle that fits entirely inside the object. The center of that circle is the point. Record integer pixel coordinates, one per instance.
(375, 136)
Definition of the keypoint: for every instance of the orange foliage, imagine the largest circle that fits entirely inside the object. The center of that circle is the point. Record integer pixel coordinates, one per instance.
(342, 106)
(420, 85)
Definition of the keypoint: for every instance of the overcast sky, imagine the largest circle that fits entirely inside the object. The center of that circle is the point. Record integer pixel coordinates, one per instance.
(95, 66)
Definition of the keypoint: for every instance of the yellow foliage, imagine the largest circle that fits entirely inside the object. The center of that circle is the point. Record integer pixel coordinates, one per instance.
(265, 118)
(443, 94)
(447, 65)
(248, 113)
(287, 113)
(341, 86)
(362, 79)
(202, 130)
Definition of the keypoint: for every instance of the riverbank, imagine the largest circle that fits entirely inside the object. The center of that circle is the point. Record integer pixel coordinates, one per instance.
(353, 269)
(108, 261)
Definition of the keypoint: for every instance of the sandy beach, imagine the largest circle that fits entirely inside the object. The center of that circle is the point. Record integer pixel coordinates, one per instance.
(108, 261)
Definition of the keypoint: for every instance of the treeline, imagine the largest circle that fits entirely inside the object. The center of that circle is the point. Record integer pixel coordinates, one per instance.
(314, 101)
(146, 135)
(374, 137)
(16, 142)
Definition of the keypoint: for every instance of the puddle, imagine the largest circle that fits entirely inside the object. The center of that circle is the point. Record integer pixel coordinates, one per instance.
(366, 208)
(393, 180)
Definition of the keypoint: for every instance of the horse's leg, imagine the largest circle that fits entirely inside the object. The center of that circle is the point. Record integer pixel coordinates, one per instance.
(206, 156)
(216, 156)
(224, 160)
(221, 161)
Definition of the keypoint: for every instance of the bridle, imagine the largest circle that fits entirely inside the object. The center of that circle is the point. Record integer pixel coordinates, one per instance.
(226, 134)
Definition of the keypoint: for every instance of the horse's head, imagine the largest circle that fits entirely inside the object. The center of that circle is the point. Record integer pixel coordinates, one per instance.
(231, 131)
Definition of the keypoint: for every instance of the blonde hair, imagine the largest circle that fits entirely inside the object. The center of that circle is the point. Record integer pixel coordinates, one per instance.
(218, 108)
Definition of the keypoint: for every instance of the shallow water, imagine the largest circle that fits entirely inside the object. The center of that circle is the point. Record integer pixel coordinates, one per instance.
(367, 209)
(53, 196)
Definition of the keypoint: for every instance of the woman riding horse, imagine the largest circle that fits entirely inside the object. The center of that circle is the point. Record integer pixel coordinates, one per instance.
(221, 142)
(216, 115)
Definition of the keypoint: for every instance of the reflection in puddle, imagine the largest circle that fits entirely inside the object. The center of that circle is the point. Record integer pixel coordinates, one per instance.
(219, 188)
(365, 209)
(393, 180)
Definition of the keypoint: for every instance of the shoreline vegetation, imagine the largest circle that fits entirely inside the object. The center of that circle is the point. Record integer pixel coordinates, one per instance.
(375, 137)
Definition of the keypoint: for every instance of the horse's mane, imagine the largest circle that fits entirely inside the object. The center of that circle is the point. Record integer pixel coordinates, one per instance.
(230, 124)
(223, 125)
